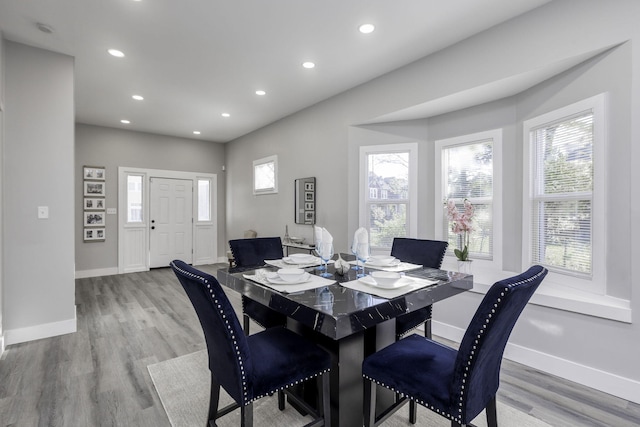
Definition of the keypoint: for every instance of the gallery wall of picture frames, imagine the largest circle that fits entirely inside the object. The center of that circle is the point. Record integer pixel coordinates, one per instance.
(305, 200)
(94, 183)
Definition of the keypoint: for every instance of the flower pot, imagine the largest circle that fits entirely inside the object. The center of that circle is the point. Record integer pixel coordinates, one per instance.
(465, 266)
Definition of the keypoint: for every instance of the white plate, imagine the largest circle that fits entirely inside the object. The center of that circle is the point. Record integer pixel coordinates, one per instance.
(377, 263)
(402, 282)
(299, 259)
(276, 280)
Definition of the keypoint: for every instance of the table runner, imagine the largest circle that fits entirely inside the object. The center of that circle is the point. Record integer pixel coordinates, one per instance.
(389, 293)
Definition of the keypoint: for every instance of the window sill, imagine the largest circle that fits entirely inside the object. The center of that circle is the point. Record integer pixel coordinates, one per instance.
(556, 296)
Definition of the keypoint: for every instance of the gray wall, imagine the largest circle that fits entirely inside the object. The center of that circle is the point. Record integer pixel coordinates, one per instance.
(1, 181)
(112, 148)
(323, 141)
(38, 170)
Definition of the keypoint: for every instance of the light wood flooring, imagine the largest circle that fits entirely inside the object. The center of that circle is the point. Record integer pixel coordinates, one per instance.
(98, 376)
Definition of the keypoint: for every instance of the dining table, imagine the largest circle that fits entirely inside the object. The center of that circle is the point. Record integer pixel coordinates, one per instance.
(348, 316)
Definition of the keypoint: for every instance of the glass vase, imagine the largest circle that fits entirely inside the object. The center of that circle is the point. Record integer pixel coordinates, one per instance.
(465, 266)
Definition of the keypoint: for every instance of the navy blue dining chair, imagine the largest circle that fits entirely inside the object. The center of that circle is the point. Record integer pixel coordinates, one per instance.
(251, 253)
(457, 384)
(251, 367)
(427, 253)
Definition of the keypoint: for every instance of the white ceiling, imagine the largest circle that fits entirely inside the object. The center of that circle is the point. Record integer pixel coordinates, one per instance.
(195, 59)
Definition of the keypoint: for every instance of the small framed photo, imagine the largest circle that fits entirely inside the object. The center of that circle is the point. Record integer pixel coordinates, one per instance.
(92, 188)
(309, 186)
(309, 218)
(94, 234)
(94, 219)
(94, 172)
(309, 206)
(93, 204)
(309, 196)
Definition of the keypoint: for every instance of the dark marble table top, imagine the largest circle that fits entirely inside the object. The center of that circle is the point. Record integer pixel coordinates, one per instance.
(336, 311)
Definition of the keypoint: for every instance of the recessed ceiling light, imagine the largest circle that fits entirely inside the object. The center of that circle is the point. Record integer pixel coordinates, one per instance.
(226, 115)
(366, 28)
(261, 92)
(125, 121)
(308, 64)
(196, 132)
(115, 52)
(138, 97)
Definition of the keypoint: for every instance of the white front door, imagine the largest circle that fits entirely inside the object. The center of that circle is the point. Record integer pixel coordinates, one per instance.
(171, 221)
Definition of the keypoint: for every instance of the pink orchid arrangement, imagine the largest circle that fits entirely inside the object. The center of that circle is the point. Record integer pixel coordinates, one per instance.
(462, 224)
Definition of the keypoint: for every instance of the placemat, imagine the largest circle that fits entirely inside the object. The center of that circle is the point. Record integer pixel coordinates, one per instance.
(418, 283)
(314, 282)
(281, 264)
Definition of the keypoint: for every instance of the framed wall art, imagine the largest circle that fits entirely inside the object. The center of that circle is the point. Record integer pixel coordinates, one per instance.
(94, 188)
(94, 234)
(305, 200)
(94, 219)
(93, 204)
(94, 173)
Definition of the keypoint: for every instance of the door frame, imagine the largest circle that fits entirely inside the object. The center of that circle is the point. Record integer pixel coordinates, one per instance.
(133, 238)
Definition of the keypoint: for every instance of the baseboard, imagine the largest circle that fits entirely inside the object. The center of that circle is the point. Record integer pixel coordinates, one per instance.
(606, 382)
(83, 274)
(46, 330)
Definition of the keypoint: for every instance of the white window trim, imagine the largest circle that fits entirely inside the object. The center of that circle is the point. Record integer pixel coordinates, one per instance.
(412, 212)
(566, 283)
(450, 261)
(271, 159)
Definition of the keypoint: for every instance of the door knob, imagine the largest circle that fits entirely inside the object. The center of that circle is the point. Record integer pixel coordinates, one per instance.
(153, 227)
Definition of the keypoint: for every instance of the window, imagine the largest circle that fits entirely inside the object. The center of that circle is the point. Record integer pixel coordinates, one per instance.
(563, 207)
(265, 175)
(388, 192)
(204, 200)
(470, 169)
(134, 198)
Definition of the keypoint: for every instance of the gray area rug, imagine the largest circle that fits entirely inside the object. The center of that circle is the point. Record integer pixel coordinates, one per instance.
(183, 387)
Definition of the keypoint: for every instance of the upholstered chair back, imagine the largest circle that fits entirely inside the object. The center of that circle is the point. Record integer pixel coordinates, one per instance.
(253, 252)
(428, 253)
(476, 377)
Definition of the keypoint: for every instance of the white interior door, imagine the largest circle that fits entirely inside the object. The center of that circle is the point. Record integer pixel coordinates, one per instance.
(170, 221)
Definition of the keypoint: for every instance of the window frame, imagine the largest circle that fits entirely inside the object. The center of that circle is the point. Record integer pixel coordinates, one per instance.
(411, 201)
(260, 162)
(596, 283)
(441, 222)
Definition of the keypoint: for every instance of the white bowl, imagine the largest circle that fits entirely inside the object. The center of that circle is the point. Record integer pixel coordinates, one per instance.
(291, 274)
(298, 240)
(386, 279)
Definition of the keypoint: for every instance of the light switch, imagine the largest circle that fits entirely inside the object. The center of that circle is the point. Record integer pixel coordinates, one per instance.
(111, 211)
(43, 212)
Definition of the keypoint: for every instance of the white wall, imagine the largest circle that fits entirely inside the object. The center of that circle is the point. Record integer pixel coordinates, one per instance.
(112, 148)
(38, 170)
(323, 141)
(1, 185)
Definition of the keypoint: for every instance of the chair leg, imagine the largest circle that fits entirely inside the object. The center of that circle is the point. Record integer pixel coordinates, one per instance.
(427, 328)
(413, 411)
(492, 415)
(455, 424)
(245, 324)
(281, 400)
(246, 415)
(325, 402)
(213, 400)
(369, 404)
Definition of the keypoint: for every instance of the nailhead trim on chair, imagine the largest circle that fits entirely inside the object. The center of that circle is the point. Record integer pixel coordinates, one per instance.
(469, 362)
(237, 348)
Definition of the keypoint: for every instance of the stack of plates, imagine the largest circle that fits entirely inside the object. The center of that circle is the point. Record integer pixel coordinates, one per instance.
(382, 261)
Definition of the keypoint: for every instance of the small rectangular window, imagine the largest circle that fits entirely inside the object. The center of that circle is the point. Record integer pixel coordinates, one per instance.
(204, 204)
(134, 198)
(265, 175)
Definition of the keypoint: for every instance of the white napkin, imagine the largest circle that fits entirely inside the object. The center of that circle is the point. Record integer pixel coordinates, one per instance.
(317, 232)
(360, 236)
(326, 240)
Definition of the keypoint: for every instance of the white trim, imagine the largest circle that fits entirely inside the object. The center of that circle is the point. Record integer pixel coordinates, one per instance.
(597, 104)
(494, 135)
(1, 345)
(126, 248)
(607, 382)
(45, 330)
(83, 274)
(412, 148)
